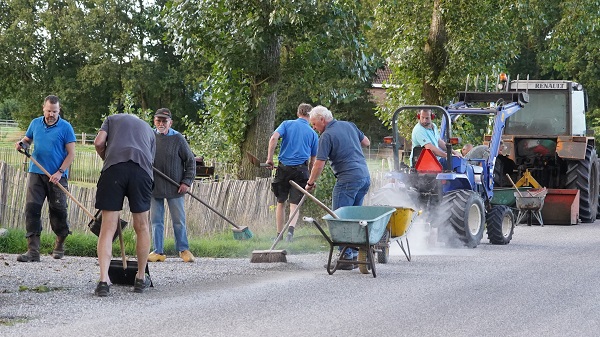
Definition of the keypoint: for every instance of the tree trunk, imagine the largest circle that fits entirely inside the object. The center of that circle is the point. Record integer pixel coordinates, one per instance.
(264, 102)
(436, 55)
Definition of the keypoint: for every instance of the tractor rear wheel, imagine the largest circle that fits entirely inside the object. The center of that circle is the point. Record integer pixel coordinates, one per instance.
(583, 176)
(463, 212)
(500, 225)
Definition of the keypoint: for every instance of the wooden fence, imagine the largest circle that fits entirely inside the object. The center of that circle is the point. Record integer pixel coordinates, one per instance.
(245, 202)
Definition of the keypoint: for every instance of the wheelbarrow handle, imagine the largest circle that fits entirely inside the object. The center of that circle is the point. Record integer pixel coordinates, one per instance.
(310, 196)
(515, 186)
(26, 153)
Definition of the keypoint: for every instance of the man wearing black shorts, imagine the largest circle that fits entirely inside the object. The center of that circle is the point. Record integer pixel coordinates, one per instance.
(127, 146)
(296, 156)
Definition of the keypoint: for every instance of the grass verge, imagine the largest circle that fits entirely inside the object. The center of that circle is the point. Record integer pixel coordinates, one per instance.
(306, 240)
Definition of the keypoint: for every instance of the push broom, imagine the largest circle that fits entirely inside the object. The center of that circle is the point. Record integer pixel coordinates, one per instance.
(271, 255)
(239, 232)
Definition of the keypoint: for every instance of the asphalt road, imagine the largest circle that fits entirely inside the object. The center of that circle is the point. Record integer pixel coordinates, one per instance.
(544, 283)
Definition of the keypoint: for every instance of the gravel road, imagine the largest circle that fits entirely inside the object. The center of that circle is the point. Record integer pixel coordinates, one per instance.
(544, 283)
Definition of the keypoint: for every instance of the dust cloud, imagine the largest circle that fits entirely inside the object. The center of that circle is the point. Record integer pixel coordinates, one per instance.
(423, 238)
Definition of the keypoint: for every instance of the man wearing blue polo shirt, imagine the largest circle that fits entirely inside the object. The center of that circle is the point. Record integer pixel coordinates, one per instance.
(341, 143)
(54, 150)
(296, 157)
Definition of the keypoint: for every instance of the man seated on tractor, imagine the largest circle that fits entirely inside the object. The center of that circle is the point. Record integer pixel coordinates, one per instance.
(426, 135)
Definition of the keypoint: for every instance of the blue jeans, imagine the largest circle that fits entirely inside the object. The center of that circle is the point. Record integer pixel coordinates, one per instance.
(157, 218)
(350, 194)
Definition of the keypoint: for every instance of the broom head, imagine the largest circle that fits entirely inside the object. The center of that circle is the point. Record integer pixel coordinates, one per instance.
(268, 256)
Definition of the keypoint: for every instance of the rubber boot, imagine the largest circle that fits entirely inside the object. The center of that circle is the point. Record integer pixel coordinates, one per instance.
(33, 250)
(59, 247)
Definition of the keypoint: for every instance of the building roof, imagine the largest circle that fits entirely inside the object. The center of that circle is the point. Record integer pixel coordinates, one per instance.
(382, 75)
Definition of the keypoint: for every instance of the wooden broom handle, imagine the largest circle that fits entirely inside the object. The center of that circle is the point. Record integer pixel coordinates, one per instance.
(59, 185)
(122, 244)
(312, 197)
(515, 186)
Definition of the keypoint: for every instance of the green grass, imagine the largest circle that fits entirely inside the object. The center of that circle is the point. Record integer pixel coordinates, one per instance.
(306, 240)
(9, 135)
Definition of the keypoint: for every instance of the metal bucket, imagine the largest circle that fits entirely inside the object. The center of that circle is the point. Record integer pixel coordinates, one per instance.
(532, 200)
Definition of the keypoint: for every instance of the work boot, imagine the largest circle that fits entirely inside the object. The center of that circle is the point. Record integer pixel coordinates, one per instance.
(33, 250)
(187, 256)
(59, 247)
(156, 257)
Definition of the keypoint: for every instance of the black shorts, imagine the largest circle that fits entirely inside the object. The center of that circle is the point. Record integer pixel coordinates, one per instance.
(281, 186)
(124, 180)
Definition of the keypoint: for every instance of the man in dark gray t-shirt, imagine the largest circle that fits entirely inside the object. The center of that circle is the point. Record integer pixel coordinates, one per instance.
(127, 146)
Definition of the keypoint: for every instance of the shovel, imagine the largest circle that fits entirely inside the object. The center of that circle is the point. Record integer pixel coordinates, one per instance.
(254, 161)
(123, 271)
(96, 223)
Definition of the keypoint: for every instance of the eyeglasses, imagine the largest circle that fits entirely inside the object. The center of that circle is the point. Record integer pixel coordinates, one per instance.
(161, 121)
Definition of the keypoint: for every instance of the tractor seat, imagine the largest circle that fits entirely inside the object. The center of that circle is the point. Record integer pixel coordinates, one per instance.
(416, 152)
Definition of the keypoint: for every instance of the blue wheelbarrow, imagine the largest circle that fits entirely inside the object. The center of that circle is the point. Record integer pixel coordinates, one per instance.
(359, 227)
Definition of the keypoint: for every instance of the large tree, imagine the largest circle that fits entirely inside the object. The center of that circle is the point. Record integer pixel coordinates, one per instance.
(250, 44)
(92, 54)
(431, 46)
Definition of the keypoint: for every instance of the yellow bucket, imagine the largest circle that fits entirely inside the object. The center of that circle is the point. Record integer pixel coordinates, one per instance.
(400, 221)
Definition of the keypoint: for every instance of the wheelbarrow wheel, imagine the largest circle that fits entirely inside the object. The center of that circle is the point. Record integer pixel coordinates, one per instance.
(362, 257)
(383, 256)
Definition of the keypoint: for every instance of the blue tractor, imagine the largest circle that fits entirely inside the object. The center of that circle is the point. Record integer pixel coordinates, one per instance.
(456, 193)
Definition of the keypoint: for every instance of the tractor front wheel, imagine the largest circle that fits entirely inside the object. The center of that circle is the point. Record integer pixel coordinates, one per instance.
(500, 225)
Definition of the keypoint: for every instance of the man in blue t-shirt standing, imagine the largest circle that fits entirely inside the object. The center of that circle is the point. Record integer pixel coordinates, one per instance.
(341, 143)
(296, 158)
(54, 150)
